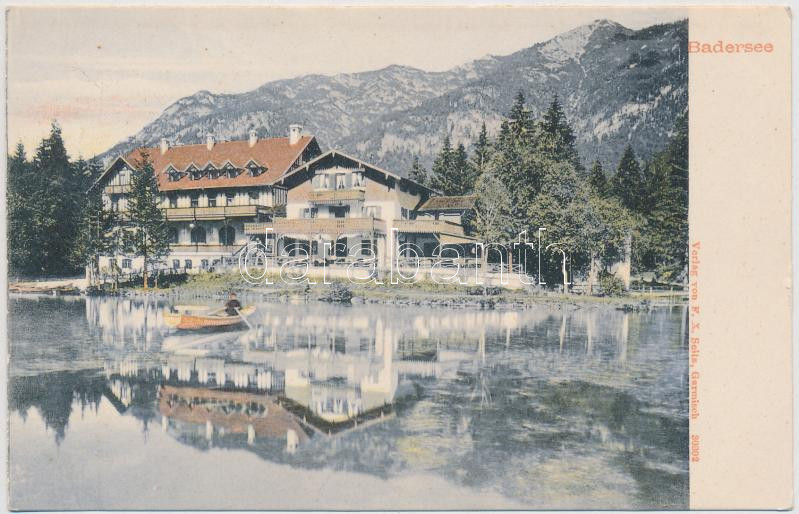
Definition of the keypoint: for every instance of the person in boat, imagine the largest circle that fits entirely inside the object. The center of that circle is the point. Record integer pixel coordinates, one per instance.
(232, 305)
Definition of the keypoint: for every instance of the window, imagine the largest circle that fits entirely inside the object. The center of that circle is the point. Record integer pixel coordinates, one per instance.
(229, 198)
(173, 201)
(310, 212)
(341, 247)
(187, 264)
(227, 235)
(115, 203)
(255, 196)
(231, 171)
(357, 179)
(403, 213)
(198, 235)
(195, 200)
(212, 201)
(254, 169)
(126, 263)
(173, 174)
(204, 264)
(340, 181)
(175, 263)
(318, 181)
(372, 211)
(173, 235)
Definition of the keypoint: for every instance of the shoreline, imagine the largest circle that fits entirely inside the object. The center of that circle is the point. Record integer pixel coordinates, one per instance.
(216, 286)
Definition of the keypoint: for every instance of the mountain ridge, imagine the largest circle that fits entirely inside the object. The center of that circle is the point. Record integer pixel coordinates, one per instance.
(618, 86)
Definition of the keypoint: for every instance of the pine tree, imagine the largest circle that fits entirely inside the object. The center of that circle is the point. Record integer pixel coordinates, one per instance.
(22, 237)
(597, 179)
(556, 137)
(418, 174)
(462, 166)
(520, 122)
(150, 232)
(663, 246)
(482, 152)
(56, 197)
(627, 183)
(441, 177)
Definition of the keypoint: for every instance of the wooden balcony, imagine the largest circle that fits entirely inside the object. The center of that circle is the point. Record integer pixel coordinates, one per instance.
(204, 248)
(215, 213)
(330, 226)
(429, 227)
(336, 196)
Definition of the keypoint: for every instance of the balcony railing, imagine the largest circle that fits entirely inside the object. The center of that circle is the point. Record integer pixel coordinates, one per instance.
(317, 226)
(429, 227)
(335, 196)
(203, 248)
(215, 213)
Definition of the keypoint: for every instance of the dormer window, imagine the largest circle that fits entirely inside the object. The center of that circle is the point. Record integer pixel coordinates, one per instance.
(173, 174)
(230, 171)
(211, 171)
(254, 169)
(194, 173)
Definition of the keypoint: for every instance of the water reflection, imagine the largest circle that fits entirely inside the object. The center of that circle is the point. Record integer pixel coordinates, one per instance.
(551, 408)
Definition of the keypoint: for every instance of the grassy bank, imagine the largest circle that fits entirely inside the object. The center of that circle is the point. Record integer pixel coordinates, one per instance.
(424, 292)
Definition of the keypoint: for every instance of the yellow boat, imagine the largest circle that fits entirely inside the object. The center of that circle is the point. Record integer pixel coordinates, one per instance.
(187, 321)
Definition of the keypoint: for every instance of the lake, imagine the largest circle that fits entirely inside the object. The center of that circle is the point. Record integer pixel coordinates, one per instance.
(320, 406)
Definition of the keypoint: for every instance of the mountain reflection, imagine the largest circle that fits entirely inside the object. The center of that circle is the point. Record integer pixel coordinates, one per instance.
(585, 399)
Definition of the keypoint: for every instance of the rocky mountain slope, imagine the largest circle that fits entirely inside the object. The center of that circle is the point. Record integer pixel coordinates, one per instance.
(616, 85)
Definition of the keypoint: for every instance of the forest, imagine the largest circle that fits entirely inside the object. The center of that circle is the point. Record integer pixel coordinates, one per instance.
(526, 177)
(531, 176)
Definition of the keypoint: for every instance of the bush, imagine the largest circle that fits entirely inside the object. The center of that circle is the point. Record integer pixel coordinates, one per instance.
(338, 293)
(611, 285)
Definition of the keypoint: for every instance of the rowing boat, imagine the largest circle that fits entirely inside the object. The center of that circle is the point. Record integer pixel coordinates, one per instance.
(188, 321)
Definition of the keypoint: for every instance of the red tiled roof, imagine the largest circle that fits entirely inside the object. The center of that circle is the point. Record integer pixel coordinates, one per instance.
(276, 154)
(445, 203)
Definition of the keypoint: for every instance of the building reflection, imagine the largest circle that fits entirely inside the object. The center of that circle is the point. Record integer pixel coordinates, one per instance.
(306, 373)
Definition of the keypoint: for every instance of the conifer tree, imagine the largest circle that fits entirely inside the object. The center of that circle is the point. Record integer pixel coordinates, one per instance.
(54, 198)
(22, 237)
(520, 122)
(556, 137)
(150, 232)
(627, 183)
(462, 166)
(482, 152)
(597, 179)
(418, 174)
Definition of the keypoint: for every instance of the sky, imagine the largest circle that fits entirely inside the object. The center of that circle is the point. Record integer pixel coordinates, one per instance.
(103, 73)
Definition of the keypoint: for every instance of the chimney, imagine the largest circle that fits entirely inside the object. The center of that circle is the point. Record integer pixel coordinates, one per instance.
(295, 133)
(253, 138)
(209, 141)
(164, 146)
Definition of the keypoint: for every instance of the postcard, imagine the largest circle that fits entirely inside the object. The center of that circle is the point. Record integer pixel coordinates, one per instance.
(398, 258)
